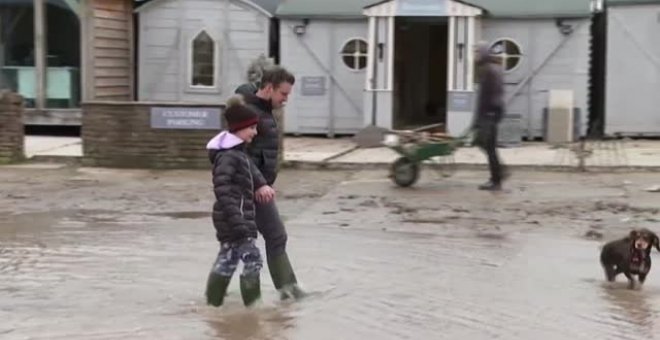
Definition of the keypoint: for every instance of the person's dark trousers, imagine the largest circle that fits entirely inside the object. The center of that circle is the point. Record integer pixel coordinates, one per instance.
(487, 141)
(272, 229)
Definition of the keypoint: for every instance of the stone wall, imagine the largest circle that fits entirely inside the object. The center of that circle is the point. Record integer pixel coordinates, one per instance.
(120, 134)
(11, 128)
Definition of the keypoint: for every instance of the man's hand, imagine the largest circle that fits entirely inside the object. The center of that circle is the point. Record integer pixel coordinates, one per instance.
(265, 194)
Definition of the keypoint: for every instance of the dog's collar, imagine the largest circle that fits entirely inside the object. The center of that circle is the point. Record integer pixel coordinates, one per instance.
(636, 255)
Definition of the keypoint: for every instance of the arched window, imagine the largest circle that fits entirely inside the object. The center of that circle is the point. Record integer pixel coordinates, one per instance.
(203, 60)
(354, 54)
(508, 51)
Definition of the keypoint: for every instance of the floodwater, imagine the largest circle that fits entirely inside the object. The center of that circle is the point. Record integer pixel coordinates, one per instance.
(435, 262)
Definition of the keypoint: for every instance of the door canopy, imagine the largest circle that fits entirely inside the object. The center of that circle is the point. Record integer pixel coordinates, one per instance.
(422, 8)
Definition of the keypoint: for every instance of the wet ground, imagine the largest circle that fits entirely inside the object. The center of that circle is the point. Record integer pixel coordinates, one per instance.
(108, 254)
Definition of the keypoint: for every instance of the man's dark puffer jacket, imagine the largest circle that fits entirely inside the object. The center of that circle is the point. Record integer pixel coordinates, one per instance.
(234, 182)
(265, 145)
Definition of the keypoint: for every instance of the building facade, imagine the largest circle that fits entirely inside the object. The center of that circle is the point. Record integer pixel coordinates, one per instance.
(400, 64)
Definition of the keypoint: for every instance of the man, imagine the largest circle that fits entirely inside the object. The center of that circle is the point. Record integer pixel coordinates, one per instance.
(274, 88)
(489, 112)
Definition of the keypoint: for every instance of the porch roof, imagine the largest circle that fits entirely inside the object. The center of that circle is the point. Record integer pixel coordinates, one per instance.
(494, 8)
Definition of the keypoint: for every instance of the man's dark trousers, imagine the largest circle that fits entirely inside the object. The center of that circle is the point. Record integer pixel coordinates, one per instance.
(487, 141)
(275, 237)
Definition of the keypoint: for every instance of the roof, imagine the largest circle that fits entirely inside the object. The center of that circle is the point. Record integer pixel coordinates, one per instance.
(269, 6)
(535, 8)
(632, 2)
(495, 8)
(323, 8)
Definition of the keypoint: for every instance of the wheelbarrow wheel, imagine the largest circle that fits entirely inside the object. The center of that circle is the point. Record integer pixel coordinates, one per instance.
(404, 172)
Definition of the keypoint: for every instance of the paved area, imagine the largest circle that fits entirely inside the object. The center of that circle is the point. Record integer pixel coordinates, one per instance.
(342, 151)
(53, 146)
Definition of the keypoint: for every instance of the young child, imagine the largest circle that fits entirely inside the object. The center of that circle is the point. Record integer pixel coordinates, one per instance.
(235, 179)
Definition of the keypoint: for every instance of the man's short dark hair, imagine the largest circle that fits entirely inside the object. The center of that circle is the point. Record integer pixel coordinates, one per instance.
(276, 76)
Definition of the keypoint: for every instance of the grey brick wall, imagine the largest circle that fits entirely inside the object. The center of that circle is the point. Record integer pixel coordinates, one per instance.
(11, 127)
(119, 134)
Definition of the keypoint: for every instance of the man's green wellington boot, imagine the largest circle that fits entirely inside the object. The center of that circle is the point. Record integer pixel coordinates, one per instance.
(284, 278)
(250, 290)
(216, 288)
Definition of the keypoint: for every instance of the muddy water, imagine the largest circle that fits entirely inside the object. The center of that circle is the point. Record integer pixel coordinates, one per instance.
(398, 272)
(77, 280)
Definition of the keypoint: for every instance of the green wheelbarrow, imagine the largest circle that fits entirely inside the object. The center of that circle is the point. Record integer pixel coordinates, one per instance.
(415, 148)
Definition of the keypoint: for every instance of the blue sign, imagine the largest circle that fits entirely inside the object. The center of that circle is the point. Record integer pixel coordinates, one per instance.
(423, 8)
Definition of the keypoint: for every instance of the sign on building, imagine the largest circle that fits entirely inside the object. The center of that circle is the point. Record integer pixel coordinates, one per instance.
(313, 86)
(422, 8)
(193, 118)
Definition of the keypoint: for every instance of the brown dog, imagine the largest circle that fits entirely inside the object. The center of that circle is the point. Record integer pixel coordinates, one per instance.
(630, 255)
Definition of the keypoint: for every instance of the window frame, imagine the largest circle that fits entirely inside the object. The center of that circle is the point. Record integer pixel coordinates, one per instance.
(342, 55)
(504, 60)
(216, 64)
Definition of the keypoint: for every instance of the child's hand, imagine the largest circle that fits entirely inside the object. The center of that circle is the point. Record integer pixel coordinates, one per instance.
(265, 194)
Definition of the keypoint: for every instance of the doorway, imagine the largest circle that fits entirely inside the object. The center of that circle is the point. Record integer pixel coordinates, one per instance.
(420, 71)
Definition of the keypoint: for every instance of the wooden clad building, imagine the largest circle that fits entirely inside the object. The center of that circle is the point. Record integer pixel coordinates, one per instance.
(59, 53)
(109, 58)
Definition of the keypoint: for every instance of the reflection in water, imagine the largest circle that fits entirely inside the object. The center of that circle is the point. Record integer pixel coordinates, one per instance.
(630, 307)
(256, 323)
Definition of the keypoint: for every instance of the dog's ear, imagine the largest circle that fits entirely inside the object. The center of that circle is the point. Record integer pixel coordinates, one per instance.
(656, 241)
(633, 234)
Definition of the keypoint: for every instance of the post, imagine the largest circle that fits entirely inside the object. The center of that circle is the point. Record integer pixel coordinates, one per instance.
(451, 64)
(390, 53)
(11, 127)
(331, 87)
(469, 50)
(371, 60)
(40, 48)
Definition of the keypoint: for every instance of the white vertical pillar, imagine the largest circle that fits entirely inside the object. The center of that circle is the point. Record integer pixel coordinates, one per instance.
(371, 55)
(390, 52)
(470, 53)
(451, 61)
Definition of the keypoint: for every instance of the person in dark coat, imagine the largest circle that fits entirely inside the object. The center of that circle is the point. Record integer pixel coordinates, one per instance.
(247, 89)
(274, 88)
(235, 179)
(489, 113)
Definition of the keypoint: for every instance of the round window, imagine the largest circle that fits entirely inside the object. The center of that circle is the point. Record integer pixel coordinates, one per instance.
(354, 54)
(508, 52)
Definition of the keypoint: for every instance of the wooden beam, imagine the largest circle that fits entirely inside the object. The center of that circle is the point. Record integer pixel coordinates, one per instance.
(68, 117)
(86, 51)
(40, 49)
